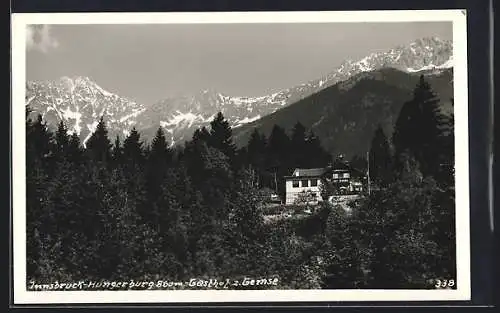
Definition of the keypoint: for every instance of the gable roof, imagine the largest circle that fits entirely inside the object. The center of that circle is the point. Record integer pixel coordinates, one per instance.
(307, 172)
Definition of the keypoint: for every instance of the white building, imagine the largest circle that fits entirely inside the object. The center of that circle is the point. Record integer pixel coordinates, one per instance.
(304, 184)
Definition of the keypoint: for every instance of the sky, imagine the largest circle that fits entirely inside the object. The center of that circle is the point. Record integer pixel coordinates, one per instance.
(148, 62)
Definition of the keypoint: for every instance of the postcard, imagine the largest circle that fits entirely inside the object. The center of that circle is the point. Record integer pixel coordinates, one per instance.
(221, 157)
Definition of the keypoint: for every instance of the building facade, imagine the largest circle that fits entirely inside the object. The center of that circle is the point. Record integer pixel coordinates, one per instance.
(304, 186)
(345, 182)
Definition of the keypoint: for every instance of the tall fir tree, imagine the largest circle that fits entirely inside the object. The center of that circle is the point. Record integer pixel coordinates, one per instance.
(279, 159)
(133, 153)
(61, 140)
(418, 129)
(317, 156)
(201, 134)
(159, 160)
(221, 136)
(39, 140)
(116, 152)
(256, 146)
(98, 146)
(279, 143)
(255, 155)
(298, 146)
(191, 157)
(380, 158)
(160, 153)
(75, 150)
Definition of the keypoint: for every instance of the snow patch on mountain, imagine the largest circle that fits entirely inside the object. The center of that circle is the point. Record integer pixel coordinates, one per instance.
(184, 118)
(91, 128)
(447, 64)
(133, 114)
(246, 120)
(76, 115)
(246, 100)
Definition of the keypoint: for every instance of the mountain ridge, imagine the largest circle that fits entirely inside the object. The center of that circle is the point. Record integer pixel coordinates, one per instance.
(80, 102)
(344, 116)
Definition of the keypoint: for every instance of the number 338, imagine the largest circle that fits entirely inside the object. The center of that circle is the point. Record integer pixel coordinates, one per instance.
(444, 283)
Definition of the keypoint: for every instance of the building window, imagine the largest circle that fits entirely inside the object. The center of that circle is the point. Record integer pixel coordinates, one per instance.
(314, 182)
(295, 184)
(335, 175)
(305, 183)
(346, 175)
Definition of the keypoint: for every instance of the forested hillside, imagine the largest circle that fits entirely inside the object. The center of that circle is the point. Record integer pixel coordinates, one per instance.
(345, 115)
(122, 211)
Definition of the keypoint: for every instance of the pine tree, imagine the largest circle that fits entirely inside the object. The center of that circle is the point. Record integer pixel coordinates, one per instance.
(133, 148)
(38, 140)
(256, 146)
(98, 145)
(116, 152)
(255, 153)
(317, 156)
(380, 158)
(191, 158)
(298, 146)
(221, 136)
(160, 153)
(210, 173)
(298, 133)
(218, 180)
(158, 162)
(279, 159)
(279, 143)
(418, 128)
(201, 134)
(75, 150)
(61, 140)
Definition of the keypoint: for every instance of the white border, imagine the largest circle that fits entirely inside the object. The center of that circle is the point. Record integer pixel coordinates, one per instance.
(21, 296)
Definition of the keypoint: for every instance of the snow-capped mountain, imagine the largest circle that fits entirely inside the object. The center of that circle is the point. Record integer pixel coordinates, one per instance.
(344, 116)
(81, 102)
(180, 116)
(429, 53)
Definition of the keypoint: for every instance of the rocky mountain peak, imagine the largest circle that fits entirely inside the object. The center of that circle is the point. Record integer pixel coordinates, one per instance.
(80, 101)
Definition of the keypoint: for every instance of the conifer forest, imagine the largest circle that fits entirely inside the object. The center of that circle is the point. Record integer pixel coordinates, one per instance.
(122, 209)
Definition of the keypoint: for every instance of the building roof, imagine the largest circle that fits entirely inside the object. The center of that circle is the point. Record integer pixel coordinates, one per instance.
(318, 172)
(307, 172)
